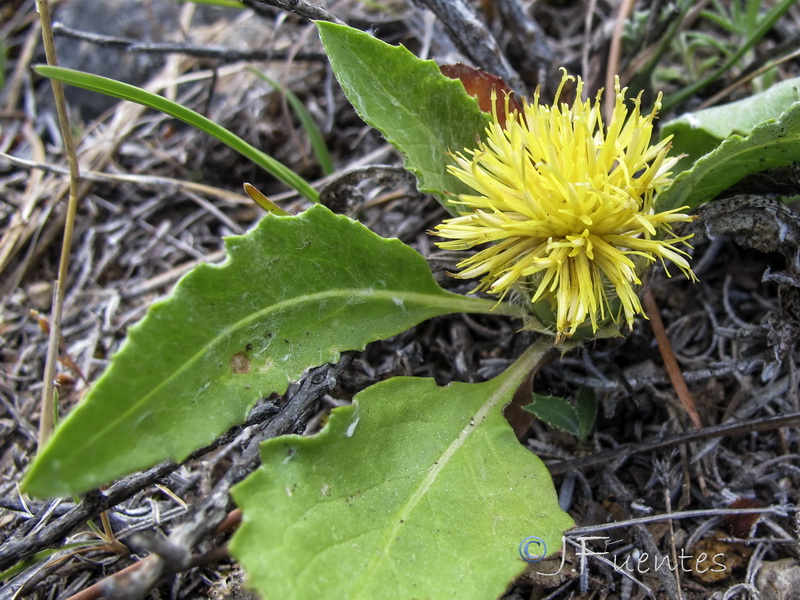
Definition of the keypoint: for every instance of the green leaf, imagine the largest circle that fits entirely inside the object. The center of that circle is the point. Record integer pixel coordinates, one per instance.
(774, 143)
(576, 419)
(293, 293)
(415, 491)
(124, 91)
(421, 112)
(695, 134)
(556, 412)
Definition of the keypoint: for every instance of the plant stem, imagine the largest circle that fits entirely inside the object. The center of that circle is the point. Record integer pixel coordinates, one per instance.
(48, 391)
(529, 360)
(614, 54)
(670, 362)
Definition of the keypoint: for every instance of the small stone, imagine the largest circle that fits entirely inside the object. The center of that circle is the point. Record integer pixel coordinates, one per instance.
(779, 579)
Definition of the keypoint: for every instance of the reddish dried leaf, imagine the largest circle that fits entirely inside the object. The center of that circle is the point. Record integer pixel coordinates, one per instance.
(740, 525)
(479, 84)
(65, 381)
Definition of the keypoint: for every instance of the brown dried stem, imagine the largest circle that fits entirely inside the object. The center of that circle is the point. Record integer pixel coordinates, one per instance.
(615, 54)
(48, 391)
(670, 363)
(715, 431)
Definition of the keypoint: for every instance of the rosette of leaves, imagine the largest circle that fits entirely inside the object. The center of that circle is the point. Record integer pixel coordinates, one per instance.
(414, 490)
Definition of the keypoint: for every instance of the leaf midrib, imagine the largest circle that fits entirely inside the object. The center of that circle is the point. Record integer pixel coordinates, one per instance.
(510, 380)
(443, 299)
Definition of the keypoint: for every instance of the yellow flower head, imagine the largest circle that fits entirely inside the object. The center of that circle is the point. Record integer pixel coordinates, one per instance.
(566, 207)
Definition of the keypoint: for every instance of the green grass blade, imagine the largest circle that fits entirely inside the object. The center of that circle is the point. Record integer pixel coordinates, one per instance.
(760, 31)
(124, 91)
(42, 555)
(264, 202)
(306, 120)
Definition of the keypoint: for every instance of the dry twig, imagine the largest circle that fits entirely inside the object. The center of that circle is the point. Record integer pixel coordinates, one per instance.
(46, 412)
(473, 39)
(717, 431)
